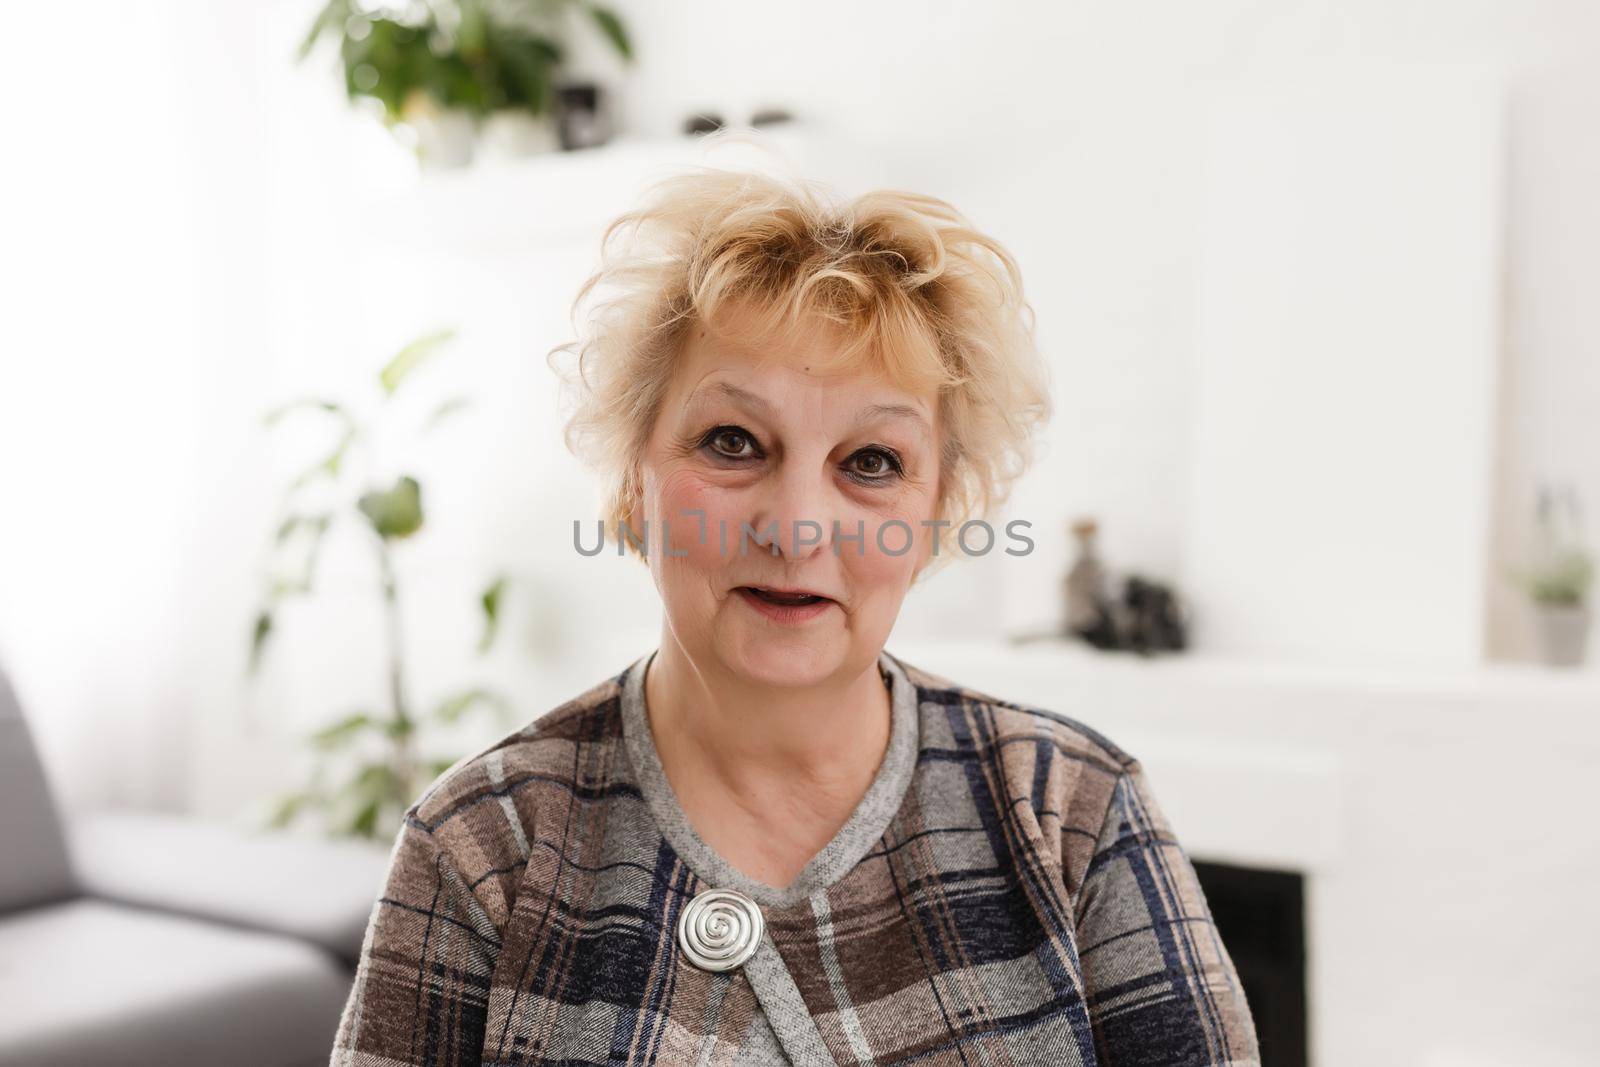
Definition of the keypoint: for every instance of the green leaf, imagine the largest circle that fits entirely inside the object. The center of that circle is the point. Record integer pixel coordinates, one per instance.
(286, 528)
(293, 586)
(258, 637)
(344, 731)
(289, 807)
(611, 26)
(451, 709)
(273, 417)
(390, 61)
(1563, 578)
(445, 410)
(332, 16)
(282, 587)
(365, 821)
(318, 524)
(395, 512)
(327, 467)
(376, 782)
(455, 80)
(525, 66)
(410, 357)
(473, 26)
(490, 601)
(314, 550)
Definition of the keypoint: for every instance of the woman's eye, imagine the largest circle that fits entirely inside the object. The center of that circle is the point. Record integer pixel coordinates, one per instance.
(875, 464)
(730, 442)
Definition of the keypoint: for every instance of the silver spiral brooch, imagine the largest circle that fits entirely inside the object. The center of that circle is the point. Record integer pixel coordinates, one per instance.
(719, 929)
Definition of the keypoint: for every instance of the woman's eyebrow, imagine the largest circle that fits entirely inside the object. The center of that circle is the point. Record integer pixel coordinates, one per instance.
(894, 411)
(733, 393)
(745, 398)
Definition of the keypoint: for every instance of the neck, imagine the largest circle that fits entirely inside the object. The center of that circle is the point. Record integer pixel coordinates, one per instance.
(830, 737)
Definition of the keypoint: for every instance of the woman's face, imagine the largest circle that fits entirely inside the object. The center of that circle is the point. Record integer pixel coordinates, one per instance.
(748, 437)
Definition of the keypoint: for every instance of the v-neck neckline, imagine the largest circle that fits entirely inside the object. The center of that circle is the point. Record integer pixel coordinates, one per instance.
(867, 822)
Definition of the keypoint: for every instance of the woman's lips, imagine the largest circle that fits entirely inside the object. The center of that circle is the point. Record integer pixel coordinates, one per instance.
(777, 611)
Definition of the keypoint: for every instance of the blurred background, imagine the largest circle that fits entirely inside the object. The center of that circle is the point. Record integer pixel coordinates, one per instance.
(286, 523)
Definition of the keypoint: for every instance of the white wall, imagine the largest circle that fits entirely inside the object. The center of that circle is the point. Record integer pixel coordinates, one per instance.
(102, 374)
(1077, 132)
(1346, 356)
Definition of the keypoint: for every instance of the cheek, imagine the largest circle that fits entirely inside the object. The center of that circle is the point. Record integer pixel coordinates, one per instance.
(886, 569)
(896, 541)
(693, 507)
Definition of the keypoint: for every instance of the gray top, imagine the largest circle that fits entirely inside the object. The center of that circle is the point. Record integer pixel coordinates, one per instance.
(782, 1008)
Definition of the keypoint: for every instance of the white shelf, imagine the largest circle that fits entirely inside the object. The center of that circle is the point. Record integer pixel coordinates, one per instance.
(509, 207)
(1577, 689)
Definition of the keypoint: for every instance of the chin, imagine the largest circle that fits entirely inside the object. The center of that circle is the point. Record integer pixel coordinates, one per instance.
(782, 659)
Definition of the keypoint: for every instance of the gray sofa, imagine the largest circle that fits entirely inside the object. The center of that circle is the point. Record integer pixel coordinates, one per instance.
(142, 939)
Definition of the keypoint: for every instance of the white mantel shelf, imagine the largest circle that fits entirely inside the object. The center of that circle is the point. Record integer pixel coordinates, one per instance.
(513, 206)
(1551, 686)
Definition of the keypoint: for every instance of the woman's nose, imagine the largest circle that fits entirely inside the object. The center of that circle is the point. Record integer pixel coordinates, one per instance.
(796, 518)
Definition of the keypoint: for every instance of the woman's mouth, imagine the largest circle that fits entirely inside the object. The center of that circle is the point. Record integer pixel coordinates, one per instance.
(784, 606)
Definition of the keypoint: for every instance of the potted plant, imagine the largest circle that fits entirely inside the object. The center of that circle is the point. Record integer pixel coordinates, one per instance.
(370, 764)
(446, 73)
(1559, 579)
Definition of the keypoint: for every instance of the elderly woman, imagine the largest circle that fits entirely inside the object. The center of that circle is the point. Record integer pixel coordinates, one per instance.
(769, 840)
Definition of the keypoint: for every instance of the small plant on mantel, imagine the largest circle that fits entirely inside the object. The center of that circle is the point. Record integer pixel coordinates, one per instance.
(370, 764)
(1559, 579)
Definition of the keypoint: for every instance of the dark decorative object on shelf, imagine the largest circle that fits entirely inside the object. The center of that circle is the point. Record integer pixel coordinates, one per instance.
(1260, 916)
(1149, 618)
(581, 118)
(1083, 589)
(771, 116)
(703, 122)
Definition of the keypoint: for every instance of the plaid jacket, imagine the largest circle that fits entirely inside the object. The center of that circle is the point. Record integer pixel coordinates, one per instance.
(1027, 905)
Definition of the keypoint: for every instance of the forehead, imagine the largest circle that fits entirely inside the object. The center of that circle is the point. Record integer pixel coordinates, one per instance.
(782, 370)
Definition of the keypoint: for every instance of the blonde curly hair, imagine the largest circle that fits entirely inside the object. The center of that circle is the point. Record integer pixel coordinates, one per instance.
(926, 300)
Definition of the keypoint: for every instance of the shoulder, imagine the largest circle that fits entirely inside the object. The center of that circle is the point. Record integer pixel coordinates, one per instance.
(483, 816)
(543, 759)
(1054, 776)
(1009, 721)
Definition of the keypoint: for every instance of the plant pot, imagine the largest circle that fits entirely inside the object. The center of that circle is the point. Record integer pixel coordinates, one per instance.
(507, 135)
(444, 136)
(1563, 633)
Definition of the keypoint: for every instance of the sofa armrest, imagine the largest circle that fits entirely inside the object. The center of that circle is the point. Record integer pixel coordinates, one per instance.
(314, 889)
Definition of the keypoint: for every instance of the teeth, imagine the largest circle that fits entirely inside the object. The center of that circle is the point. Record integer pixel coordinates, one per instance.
(779, 598)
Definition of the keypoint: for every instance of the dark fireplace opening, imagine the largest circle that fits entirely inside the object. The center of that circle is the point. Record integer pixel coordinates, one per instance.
(1261, 917)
